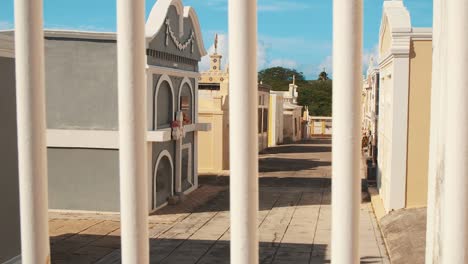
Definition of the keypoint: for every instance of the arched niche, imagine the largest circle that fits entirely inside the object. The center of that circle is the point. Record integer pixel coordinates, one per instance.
(186, 100)
(163, 185)
(163, 104)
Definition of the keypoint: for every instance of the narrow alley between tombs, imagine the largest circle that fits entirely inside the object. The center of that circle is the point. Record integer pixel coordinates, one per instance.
(294, 220)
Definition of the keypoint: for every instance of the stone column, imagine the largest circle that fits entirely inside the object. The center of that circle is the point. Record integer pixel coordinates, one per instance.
(132, 130)
(32, 148)
(455, 195)
(346, 185)
(243, 130)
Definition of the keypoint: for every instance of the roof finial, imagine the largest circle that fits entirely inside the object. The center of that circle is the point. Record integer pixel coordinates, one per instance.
(216, 43)
(294, 79)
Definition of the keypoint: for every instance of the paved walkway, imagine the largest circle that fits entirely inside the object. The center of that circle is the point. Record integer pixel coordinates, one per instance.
(405, 232)
(294, 219)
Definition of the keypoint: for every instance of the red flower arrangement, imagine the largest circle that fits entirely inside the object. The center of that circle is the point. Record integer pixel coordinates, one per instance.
(175, 124)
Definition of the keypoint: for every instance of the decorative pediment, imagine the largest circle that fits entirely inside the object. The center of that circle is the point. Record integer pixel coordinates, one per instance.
(394, 28)
(176, 27)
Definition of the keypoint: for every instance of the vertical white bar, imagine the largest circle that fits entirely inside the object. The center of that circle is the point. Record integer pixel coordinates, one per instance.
(32, 149)
(195, 140)
(437, 135)
(346, 184)
(455, 222)
(243, 130)
(132, 130)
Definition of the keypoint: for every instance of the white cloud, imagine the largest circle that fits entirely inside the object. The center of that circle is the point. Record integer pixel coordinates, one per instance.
(287, 63)
(6, 25)
(223, 50)
(326, 65)
(263, 5)
(299, 43)
(262, 55)
(280, 5)
(368, 55)
(327, 62)
(78, 27)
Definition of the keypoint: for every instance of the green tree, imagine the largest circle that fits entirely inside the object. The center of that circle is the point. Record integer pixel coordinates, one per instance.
(279, 78)
(323, 76)
(317, 95)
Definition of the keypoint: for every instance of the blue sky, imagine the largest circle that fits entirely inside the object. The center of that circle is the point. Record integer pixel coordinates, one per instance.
(292, 33)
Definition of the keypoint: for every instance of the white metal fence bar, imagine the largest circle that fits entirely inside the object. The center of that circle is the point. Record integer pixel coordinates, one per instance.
(346, 182)
(132, 130)
(32, 155)
(243, 99)
(455, 208)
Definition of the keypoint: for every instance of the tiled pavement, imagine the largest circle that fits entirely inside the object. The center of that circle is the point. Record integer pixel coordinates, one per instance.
(294, 219)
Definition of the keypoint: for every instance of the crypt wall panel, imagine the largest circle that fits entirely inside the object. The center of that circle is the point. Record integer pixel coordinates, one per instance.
(10, 245)
(81, 82)
(83, 179)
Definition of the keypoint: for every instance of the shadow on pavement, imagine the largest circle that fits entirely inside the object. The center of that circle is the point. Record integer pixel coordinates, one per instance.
(297, 148)
(283, 164)
(80, 248)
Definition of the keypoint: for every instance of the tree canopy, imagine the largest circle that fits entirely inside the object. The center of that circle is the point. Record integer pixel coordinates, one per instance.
(316, 94)
(279, 78)
(323, 76)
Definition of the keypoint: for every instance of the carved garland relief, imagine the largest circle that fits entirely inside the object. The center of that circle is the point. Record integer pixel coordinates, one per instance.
(181, 46)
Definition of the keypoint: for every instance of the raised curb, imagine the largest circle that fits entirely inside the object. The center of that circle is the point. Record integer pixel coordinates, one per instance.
(379, 211)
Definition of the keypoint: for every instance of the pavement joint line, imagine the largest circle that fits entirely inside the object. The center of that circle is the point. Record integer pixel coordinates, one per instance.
(66, 238)
(316, 225)
(100, 236)
(62, 234)
(212, 245)
(172, 226)
(229, 228)
(374, 231)
(287, 227)
(103, 257)
(188, 238)
(269, 211)
(384, 239)
(166, 230)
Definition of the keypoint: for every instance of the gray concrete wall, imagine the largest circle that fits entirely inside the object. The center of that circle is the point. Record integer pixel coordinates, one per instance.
(84, 179)
(10, 245)
(81, 81)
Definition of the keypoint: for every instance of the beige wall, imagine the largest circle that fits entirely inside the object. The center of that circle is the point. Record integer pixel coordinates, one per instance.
(386, 41)
(213, 151)
(418, 123)
(384, 132)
